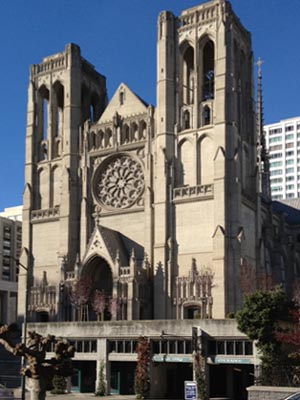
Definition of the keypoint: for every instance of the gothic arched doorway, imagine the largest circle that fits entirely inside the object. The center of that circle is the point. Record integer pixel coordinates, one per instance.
(99, 273)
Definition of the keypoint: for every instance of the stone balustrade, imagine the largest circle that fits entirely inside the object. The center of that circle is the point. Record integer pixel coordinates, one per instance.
(70, 276)
(50, 64)
(48, 213)
(193, 192)
(206, 14)
(124, 271)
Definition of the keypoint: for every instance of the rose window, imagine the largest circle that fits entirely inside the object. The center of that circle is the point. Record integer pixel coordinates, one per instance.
(119, 182)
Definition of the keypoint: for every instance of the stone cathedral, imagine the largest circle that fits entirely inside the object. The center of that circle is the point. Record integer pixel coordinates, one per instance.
(161, 208)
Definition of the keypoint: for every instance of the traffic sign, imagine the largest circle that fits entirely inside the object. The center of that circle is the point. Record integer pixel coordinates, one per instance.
(190, 390)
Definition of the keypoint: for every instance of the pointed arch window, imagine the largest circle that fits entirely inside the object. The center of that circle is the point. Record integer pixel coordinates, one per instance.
(94, 111)
(208, 81)
(92, 141)
(186, 170)
(188, 76)
(55, 182)
(100, 139)
(44, 110)
(108, 138)
(121, 97)
(43, 194)
(45, 118)
(186, 120)
(125, 134)
(134, 132)
(205, 163)
(206, 116)
(142, 130)
(58, 109)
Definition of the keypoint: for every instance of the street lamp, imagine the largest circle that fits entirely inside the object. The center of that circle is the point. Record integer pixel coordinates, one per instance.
(18, 263)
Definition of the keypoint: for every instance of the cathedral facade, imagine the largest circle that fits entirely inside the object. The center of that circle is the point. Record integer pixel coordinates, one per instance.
(161, 209)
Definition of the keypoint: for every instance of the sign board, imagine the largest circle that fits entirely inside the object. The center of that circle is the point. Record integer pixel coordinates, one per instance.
(172, 358)
(230, 360)
(190, 390)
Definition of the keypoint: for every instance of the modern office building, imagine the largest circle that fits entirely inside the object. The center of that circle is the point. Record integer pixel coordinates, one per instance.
(283, 144)
(161, 209)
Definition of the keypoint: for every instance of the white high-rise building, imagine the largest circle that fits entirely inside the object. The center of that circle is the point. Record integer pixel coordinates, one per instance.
(283, 144)
(14, 213)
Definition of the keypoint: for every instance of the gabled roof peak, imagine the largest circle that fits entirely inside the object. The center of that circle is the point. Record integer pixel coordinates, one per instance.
(124, 102)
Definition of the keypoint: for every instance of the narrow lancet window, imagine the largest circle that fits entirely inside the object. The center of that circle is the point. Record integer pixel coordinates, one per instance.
(58, 109)
(186, 120)
(45, 118)
(44, 107)
(121, 97)
(206, 115)
(208, 85)
(94, 111)
(42, 122)
(188, 76)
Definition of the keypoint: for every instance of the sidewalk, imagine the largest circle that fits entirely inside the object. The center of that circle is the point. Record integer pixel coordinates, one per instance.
(76, 396)
(87, 396)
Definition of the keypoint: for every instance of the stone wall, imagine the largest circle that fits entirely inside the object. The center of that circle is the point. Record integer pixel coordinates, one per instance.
(270, 392)
(150, 328)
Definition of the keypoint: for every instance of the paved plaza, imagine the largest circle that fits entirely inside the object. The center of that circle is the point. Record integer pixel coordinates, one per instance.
(76, 396)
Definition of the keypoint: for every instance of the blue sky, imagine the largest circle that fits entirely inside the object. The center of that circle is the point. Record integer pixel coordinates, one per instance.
(119, 38)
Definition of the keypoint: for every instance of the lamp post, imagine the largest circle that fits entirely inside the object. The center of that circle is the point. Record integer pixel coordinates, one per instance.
(17, 261)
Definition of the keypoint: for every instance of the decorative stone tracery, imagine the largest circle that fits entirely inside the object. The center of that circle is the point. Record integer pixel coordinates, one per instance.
(119, 182)
(194, 293)
(43, 298)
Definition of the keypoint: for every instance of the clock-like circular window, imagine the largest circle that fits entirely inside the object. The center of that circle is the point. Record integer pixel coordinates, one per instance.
(119, 182)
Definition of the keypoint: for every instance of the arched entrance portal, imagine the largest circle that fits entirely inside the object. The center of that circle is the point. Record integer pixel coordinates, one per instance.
(99, 272)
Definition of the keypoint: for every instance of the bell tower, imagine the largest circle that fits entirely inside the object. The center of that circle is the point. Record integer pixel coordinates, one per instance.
(205, 159)
(64, 92)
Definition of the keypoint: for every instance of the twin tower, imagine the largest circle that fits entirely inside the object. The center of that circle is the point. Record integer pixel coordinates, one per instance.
(158, 205)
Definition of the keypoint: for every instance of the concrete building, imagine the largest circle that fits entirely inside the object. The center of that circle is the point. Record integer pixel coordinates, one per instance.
(10, 248)
(160, 209)
(283, 144)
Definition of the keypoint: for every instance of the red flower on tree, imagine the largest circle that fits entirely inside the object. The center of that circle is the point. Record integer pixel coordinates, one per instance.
(80, 294)
(290, 335)
(99, 303)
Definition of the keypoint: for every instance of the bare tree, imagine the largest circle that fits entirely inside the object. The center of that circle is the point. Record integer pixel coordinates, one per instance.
(38, 370)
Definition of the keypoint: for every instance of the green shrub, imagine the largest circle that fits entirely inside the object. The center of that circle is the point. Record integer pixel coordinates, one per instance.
(59, 384)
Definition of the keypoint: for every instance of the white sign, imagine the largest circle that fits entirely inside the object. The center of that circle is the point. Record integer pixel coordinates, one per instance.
(190, 390)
